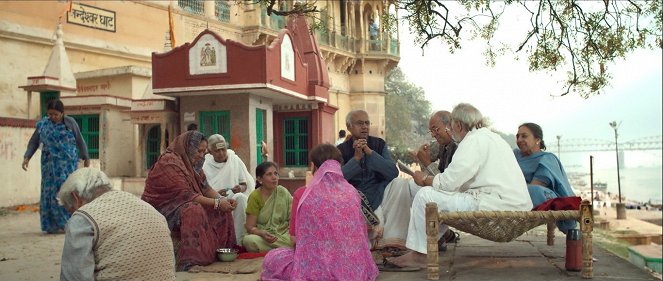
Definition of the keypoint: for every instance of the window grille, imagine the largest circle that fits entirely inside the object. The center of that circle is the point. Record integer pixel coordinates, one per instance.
(191, 6)
(89, 126)
(222, 10)
(295, 134)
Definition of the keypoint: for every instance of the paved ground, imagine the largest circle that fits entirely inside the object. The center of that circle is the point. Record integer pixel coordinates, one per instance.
(27, 254)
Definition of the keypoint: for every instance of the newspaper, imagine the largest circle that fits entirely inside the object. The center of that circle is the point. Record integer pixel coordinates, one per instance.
(404, 168)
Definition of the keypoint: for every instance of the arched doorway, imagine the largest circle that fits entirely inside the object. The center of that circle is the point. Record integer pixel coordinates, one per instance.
(152, 143)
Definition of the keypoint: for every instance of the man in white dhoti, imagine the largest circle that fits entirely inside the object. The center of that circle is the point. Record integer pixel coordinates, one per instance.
(227, 174)
(395, 215)
(483, 175)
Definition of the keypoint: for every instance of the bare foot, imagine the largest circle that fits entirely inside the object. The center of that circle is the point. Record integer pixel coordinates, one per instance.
(410, 259)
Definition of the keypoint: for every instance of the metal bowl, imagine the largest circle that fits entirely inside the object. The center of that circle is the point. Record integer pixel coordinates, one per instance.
(226, 254)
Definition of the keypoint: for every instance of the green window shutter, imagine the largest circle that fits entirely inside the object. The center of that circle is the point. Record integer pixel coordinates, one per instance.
(191, 6)
(89, 126)
(222, 10)
(295, 140)
(152, 146)
(44, 98)
(215, 122)
(260, 133)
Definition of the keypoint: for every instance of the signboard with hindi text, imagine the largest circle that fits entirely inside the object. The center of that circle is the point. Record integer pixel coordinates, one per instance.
(92, 17)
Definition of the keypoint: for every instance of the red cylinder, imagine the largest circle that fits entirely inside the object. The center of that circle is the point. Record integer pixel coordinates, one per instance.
(573, 250)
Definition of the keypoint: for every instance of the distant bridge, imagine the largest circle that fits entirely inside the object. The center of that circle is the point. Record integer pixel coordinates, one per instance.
(590, 145)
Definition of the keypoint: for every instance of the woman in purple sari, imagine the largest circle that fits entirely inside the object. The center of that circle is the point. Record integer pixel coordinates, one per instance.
(327, 210)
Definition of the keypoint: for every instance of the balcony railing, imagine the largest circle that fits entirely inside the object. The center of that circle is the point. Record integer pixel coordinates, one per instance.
(333, 39)
(273, 22)
(191, 6)
(222, 10)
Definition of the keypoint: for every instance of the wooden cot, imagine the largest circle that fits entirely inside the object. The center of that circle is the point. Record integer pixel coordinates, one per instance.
(505, 226)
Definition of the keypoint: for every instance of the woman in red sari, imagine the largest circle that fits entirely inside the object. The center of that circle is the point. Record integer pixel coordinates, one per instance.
(195, 212)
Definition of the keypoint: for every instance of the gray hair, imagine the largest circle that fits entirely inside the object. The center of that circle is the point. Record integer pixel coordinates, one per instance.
(348, 118)
(88, 183)
(216, 142)
(469, 117)
(444, 116)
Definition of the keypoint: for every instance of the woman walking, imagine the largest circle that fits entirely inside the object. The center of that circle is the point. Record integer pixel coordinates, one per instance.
(62, 145)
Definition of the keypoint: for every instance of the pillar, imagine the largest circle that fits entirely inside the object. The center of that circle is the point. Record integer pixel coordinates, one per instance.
(208, 9)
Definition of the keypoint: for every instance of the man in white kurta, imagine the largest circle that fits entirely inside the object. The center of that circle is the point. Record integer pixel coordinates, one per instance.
(483, 175)
(227, 174)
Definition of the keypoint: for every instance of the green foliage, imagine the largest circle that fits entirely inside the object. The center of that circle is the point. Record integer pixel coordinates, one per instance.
(407, 112)
(401, 153)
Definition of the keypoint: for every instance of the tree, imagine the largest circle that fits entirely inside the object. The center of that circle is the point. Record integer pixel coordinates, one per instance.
(579, 36)
(407, 112)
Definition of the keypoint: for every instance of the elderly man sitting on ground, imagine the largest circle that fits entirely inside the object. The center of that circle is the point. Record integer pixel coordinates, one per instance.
(483, 175)
(112, 235)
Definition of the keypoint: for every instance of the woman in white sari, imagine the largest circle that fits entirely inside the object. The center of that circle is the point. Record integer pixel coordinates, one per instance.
(227, 174)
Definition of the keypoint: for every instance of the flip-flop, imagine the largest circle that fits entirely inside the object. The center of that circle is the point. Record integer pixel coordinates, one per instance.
(389, 251)
(388, 266)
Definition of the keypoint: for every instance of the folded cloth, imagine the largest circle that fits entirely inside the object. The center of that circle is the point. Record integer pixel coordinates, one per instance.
(560, 204)
(248, 255)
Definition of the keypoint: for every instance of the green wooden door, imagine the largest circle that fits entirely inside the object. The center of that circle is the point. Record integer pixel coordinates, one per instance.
(215, 122)
(260, 133)
(152, 146)
(44, 98)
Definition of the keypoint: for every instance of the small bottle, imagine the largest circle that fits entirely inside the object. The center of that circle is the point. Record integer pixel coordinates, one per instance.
(573, 250)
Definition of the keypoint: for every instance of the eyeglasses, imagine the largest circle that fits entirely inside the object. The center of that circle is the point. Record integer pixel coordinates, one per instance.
(435, 129)
(362, 123)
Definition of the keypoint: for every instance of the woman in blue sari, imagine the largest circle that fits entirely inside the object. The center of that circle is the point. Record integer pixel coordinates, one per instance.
(543, 171)
(62, 144)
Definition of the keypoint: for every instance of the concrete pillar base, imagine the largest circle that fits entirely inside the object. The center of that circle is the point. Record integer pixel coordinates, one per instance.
(621, 211)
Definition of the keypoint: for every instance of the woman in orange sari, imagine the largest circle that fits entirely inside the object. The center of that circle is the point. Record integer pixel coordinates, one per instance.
(194, 211)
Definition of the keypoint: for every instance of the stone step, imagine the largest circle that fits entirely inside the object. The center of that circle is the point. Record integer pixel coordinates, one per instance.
(648, 256)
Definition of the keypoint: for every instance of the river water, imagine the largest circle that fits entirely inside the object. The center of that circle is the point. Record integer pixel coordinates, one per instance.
(640, 172)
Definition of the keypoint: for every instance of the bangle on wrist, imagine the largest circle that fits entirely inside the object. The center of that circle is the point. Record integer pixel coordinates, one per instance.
(217, 201)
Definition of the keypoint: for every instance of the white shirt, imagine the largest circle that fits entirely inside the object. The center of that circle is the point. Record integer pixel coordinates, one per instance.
(484, 166)
(227, 175)
(340, 141)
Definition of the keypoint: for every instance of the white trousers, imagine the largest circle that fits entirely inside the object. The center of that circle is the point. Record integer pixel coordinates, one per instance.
(239, 215)
(394, 212)
(446, 202)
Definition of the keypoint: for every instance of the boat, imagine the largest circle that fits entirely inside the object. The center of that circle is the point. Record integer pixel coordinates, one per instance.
(600, 186)
(577, 180)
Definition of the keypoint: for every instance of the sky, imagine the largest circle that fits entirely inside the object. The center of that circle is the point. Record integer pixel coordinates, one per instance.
(509, 95)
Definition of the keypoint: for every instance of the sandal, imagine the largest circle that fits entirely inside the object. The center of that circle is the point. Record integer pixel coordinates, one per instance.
(388, 266)
(388, 252)
(453, 237)
(449, 237)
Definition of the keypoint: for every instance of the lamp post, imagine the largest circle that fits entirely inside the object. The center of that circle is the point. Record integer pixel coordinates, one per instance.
(558, 153)
(621, 210)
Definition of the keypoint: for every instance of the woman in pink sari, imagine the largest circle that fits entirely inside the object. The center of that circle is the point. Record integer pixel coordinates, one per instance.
(196, 213)
(328, 229)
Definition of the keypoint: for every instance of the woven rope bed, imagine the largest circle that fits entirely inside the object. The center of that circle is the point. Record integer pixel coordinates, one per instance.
(505, 226)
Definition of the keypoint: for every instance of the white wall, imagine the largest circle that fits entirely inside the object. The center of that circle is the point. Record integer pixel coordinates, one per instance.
(18, 186)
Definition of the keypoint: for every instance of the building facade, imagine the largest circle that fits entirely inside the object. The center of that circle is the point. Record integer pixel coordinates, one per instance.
(106, 70)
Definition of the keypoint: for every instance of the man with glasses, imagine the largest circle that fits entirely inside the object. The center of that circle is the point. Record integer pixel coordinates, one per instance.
(438, 126)
(367, 162)
(395, 212)
(484, 176)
